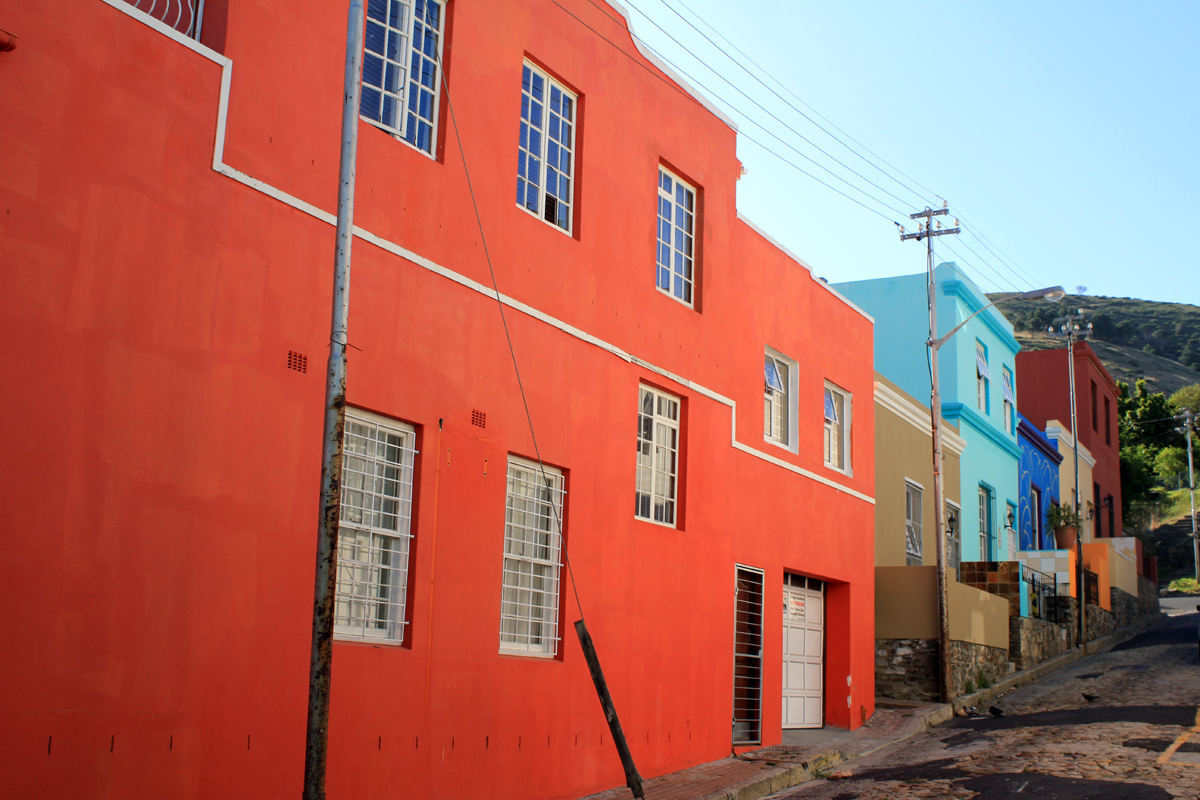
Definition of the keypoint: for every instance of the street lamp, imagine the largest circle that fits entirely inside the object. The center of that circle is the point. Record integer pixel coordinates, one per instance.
(1053, 294)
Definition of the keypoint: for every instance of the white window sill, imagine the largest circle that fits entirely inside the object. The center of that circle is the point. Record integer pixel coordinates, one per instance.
(392, 132)
(669, 525)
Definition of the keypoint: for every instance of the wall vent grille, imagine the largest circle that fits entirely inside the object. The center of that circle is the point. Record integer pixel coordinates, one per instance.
(478, 418)
(297, 361)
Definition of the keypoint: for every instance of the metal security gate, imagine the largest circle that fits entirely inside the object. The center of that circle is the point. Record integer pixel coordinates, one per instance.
(747, 657)
(803, 652)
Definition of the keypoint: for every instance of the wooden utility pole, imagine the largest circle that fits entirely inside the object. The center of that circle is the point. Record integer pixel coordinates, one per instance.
(927, 232)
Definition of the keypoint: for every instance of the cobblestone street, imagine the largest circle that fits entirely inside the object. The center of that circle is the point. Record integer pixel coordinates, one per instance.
(1136, 735)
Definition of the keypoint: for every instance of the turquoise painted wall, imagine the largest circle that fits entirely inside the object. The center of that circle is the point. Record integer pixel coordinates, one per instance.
(992, 458)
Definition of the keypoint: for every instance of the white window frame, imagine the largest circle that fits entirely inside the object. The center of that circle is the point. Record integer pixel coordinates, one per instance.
(413, 37)
(913, 528)
(533, 109)
(675, 265)
(532, 559)
(1006, 377)
(656, 494)
(837, 432)
(954, 539)
(987, 531)
(982, 376)
(376, 506)
(780, 407)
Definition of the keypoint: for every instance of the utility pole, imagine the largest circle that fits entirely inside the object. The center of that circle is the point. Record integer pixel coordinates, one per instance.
(321, 656)
(928, 232)
(1188, 425)
(1072, 330)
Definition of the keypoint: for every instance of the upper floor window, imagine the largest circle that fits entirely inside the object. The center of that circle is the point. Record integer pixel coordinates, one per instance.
(1095, 416)
(985, 524)
(532, 550)
(778, 394)
(1107, 422)
(401, 54)
(658, 456)
(545, 159)
(1010, 402)
(374, 528)
(676, 226)
(837, 428)
(912, 525)
(982, 377)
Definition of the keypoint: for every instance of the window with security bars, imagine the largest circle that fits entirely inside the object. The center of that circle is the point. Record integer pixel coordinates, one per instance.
(777, 374)
(658, 456)
(837, 428)
(912, 526)
(401, 55)
(532, 552)
(676, 226)
(374, 528)
(748, 657)
(545, 158)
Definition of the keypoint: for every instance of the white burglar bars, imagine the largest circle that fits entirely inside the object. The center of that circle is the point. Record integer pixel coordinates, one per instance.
(532, 553)
(747, 657)
(374, 531)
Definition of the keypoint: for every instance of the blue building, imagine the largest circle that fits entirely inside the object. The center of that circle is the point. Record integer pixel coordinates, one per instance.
(978, 390)
(1038, 484)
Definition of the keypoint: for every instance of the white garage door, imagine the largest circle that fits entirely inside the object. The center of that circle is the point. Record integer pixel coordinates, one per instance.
(803, 651)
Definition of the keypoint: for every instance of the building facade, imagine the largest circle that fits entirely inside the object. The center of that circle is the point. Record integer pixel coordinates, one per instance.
(1045, 376)
(1039, 485)
(170, 256)
(979, 391)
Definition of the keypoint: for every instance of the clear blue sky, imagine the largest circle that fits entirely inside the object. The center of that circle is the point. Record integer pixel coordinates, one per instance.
(1063, 133)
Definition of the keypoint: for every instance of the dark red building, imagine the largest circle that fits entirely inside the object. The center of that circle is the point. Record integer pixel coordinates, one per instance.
(1043, 378)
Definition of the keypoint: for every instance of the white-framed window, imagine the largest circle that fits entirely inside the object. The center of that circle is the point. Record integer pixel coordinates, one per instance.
(1010, 401)
(912, 525)
(546, 157)
(676, 236)
(954, 539)
(779, 398)
(837, 428)
(985, 524)
(982, 376)
(374, 528)
(658, 456)
(532, 557)
(402, 51)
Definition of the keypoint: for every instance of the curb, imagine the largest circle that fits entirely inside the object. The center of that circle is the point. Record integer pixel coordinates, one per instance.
(821, 765)
(985, 696)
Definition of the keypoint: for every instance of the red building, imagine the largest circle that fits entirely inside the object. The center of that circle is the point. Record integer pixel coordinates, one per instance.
(168, 254)
(1046, 395)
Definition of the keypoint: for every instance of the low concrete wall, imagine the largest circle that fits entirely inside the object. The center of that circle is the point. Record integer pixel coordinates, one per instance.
(1123, 564)
(1032, 641)
(906, 608)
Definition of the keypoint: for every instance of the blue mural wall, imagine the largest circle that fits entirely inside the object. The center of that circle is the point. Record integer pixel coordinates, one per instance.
(1039, 469)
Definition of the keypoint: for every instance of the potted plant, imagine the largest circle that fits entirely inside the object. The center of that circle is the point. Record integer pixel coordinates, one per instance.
(1064, 521)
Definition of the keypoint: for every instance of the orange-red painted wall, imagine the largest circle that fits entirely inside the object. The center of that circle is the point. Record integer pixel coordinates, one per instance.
(159, 560)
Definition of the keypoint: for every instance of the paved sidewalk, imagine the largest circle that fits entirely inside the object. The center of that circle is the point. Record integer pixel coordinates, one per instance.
(804, 754)
(808, 754)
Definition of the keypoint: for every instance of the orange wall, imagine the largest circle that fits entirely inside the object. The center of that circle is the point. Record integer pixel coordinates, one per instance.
(1096, 558)
(160, 588)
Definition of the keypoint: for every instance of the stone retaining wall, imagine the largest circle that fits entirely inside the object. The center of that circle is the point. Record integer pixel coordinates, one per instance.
(1126, 609)
(1147, 596)
(1099, 623)
(907, 669)
(969, 662)
(1032, 641)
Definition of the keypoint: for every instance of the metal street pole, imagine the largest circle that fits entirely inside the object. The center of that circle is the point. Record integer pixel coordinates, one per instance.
(321, 656)
(1192, 490)
(1080, 590)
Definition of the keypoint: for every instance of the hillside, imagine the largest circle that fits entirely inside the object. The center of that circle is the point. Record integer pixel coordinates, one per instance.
(1134, 338)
